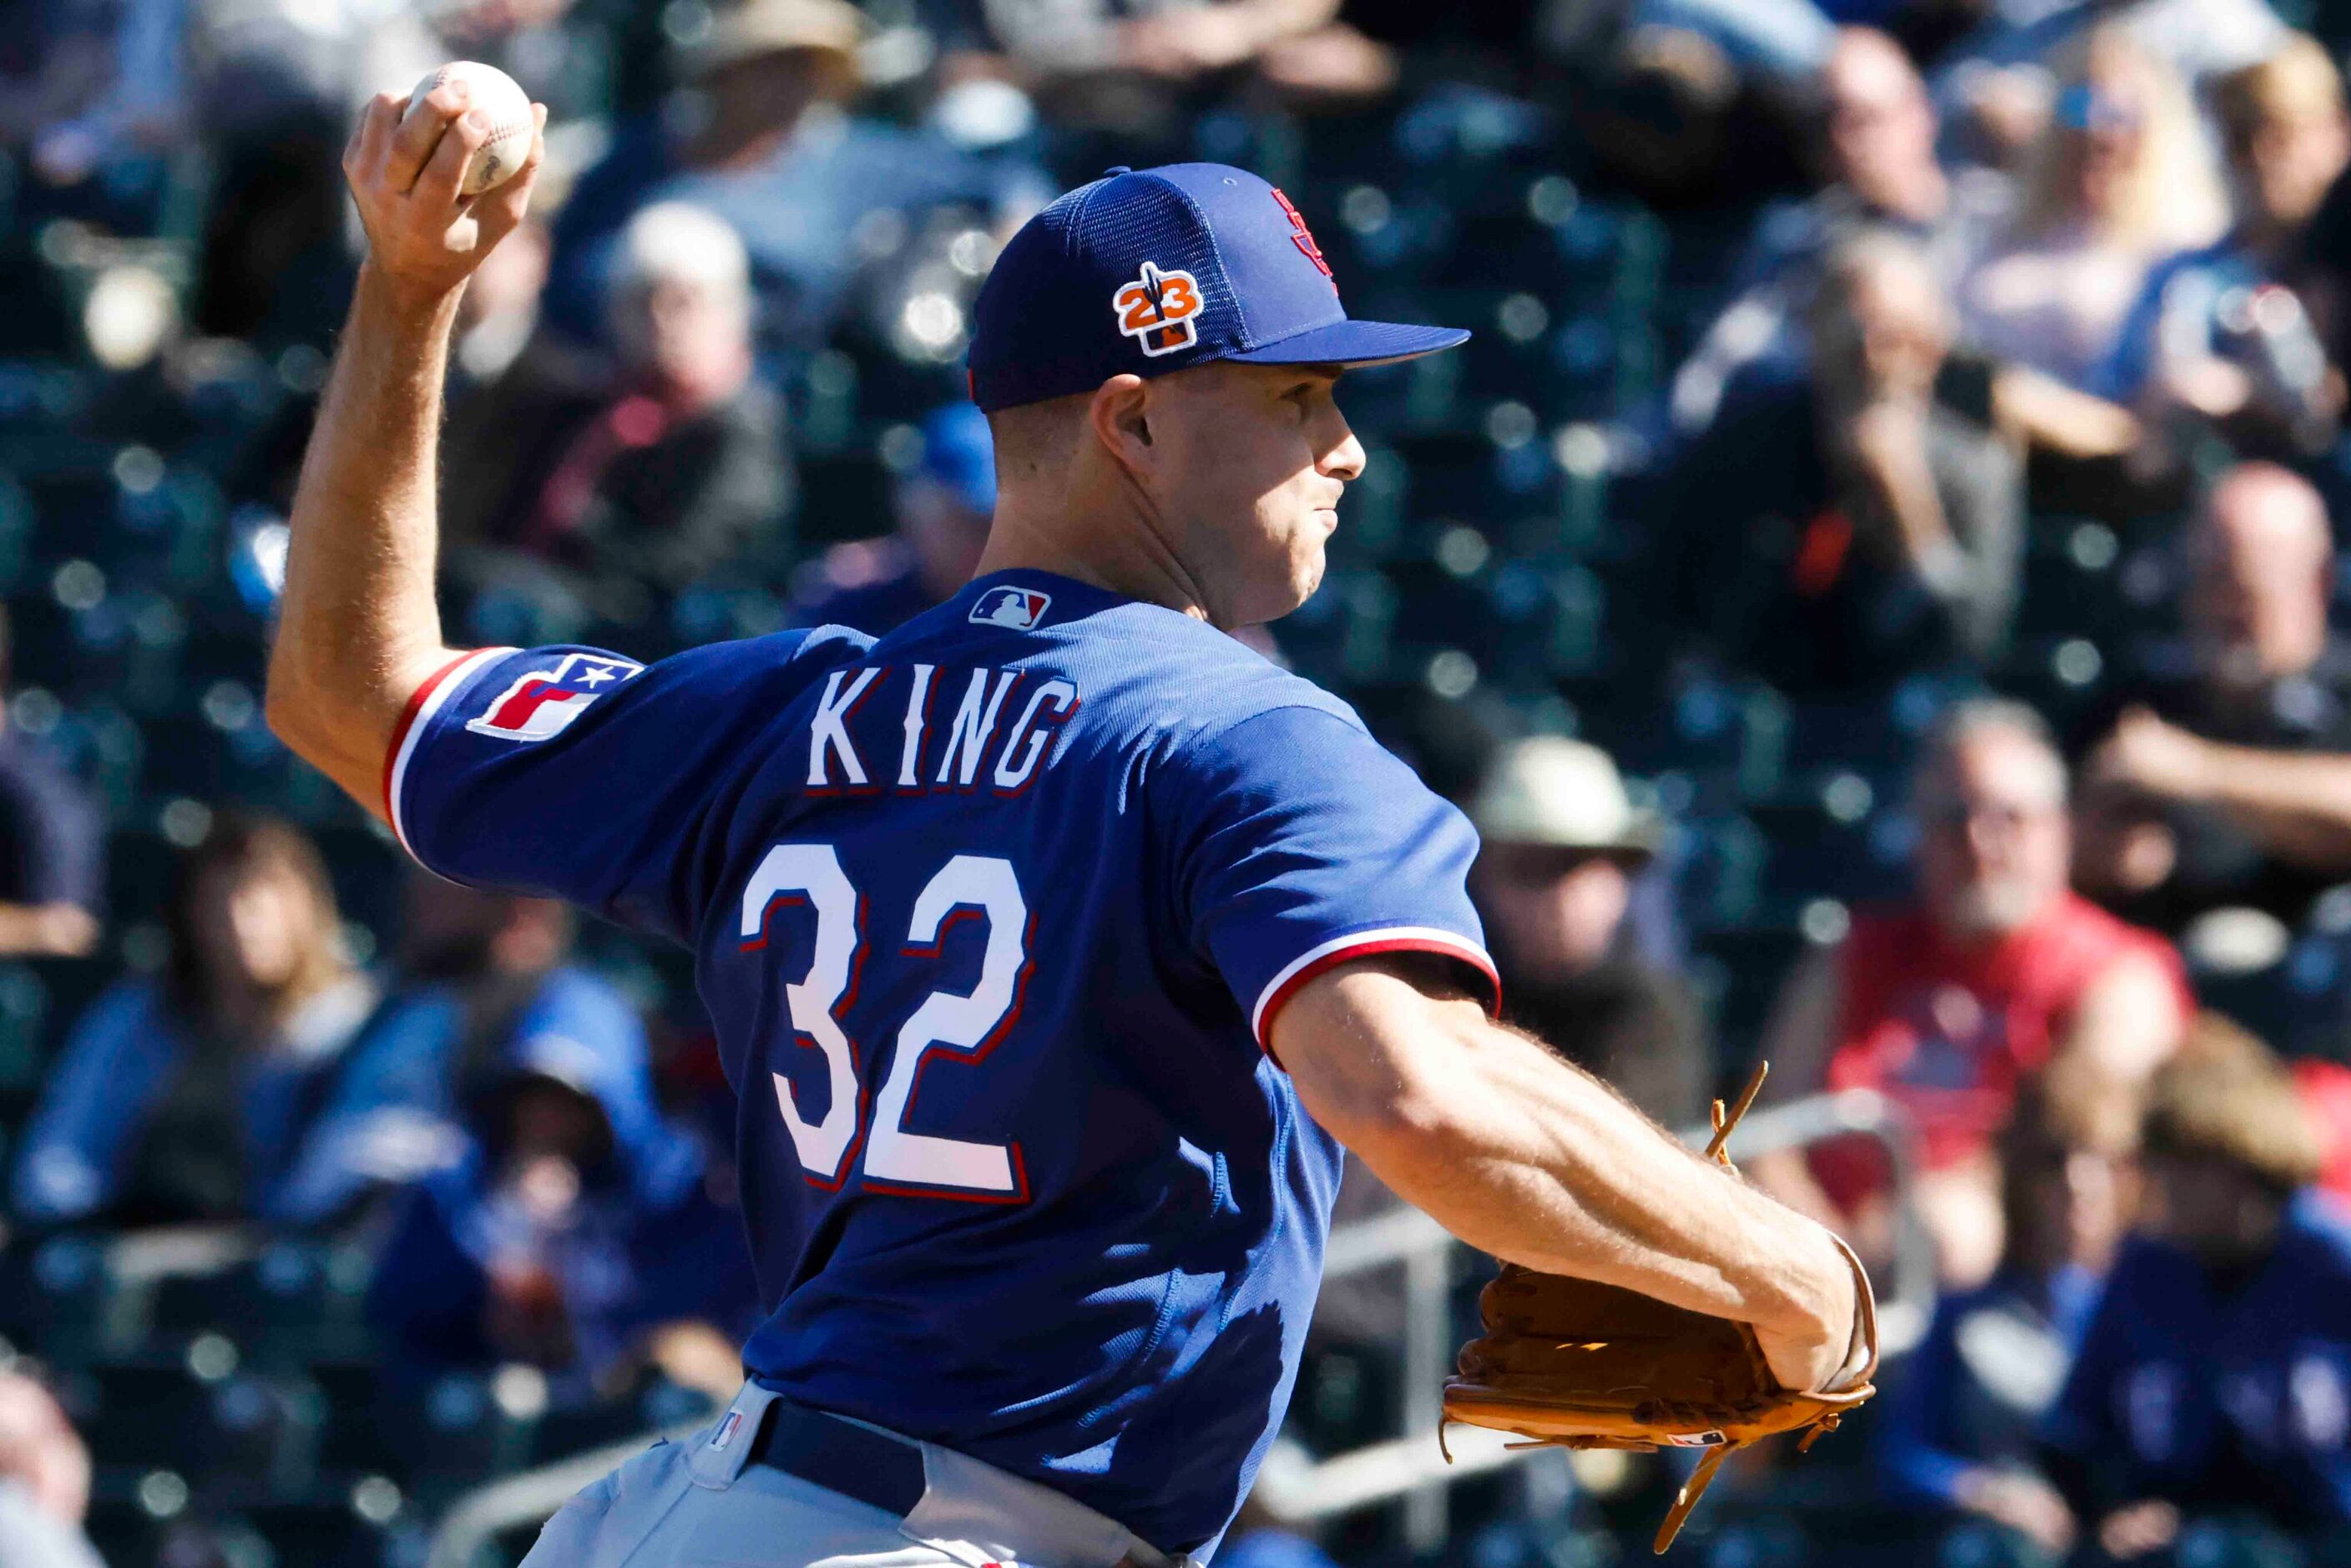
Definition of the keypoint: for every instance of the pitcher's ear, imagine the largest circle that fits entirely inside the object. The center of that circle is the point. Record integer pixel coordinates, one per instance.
(1120, 417)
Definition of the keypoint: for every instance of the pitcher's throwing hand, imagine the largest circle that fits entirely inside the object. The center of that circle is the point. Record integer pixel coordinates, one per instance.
(424, 235)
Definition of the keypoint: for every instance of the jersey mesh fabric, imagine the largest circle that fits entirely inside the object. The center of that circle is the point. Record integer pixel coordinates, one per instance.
(1084, 1245)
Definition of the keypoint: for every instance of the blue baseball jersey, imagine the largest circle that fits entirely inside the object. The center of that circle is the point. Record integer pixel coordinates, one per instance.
(991, 916)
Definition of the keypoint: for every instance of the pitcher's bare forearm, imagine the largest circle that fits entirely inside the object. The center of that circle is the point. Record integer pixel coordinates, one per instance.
(1531, 1159)
(359, 630)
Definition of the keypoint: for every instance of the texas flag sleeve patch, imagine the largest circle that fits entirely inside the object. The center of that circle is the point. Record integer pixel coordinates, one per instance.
(542, 704)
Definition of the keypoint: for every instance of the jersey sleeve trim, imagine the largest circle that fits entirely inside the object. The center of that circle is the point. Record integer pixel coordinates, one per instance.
(1295, 974)
(414, 720)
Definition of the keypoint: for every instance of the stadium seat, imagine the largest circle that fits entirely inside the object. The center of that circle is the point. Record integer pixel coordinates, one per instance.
(327, 1534)
(145, 1415)
(124, 1533)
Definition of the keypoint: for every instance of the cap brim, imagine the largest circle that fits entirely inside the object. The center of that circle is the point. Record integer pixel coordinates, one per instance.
(1355, 343)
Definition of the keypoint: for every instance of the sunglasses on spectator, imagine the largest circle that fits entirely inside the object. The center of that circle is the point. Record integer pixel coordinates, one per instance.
(1954, 816)
(2084, 108)
(1533, 865)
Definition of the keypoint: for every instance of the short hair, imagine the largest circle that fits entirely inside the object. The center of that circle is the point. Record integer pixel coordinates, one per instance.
(1874, 251)
(2297, 82)
(677, 242)
(1972, 716)
(2225, 1096)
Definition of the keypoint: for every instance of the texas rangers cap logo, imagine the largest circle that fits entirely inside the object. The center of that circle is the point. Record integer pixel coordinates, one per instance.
(1020, 609)
(543, 704)
(1158, 310)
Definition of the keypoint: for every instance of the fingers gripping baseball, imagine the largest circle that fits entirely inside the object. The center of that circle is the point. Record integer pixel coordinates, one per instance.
(407, 164)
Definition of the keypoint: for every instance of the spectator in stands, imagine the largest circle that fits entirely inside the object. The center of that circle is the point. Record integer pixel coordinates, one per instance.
(762, 138)
(1996, 971)
(1956, 1432)
(1875, 150)
(1125, 64)
(577, 1223)
(1887, 534)
(497, 315)
(513, 390)
(2232, 336)
(943, 506)
(43, 1481)
(2215, 1374)
(184, 1097)
(1993, 84)
(482, 978)
(52, 847)
(2230, 782)
(674, 471)
(1562, 845)
(2119, 181)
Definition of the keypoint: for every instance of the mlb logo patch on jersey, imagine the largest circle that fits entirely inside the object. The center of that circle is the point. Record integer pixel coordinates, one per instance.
(1159, 310)
(542, 705)
(1018, 608)
(727, 1430)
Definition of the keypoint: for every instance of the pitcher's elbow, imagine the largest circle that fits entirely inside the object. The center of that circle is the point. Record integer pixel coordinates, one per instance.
(289, 710)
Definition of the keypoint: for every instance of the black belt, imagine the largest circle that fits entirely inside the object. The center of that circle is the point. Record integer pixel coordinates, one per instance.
(840, 1456)
(873, 1468)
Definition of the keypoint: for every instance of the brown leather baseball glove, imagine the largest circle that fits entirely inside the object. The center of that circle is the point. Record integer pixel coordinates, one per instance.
(1587, 1366)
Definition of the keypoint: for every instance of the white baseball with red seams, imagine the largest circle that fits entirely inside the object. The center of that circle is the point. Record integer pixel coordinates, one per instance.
(501, 98)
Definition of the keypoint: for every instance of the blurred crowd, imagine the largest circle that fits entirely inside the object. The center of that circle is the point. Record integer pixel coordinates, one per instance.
(1872, 580)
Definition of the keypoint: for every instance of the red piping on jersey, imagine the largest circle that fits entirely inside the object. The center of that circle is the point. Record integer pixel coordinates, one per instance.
(416, 700)
(1291, 986)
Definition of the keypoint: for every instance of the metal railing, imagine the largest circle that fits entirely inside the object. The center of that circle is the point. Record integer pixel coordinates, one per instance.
(1295, 1487)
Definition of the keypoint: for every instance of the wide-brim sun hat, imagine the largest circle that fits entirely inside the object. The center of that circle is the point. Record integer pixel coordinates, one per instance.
(1552, 792)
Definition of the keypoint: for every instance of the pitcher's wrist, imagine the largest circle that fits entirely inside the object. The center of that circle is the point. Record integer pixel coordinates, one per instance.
(406, 300)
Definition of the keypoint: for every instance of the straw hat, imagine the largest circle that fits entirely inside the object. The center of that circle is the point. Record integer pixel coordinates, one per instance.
(750, 28)
(1562, 794)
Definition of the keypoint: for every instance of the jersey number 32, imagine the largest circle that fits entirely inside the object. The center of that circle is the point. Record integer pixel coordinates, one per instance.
(895, 1159)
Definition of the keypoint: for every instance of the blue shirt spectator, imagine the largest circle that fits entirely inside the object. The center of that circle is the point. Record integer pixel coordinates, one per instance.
(2237, 333)
(185, 1097)
(2215, 1376)
(52, 852)
(577, 1220)
(395, 1115)
(484, 981)
(943, 507)
(2190, 1390)
(52, 848)
(1958, 1429)
(1970, 1398)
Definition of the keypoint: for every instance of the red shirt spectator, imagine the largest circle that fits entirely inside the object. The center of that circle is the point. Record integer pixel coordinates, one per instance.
(1950, 1029)
(1994, 972)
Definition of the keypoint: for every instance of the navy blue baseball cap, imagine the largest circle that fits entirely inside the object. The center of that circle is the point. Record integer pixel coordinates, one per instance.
(1153, 270)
